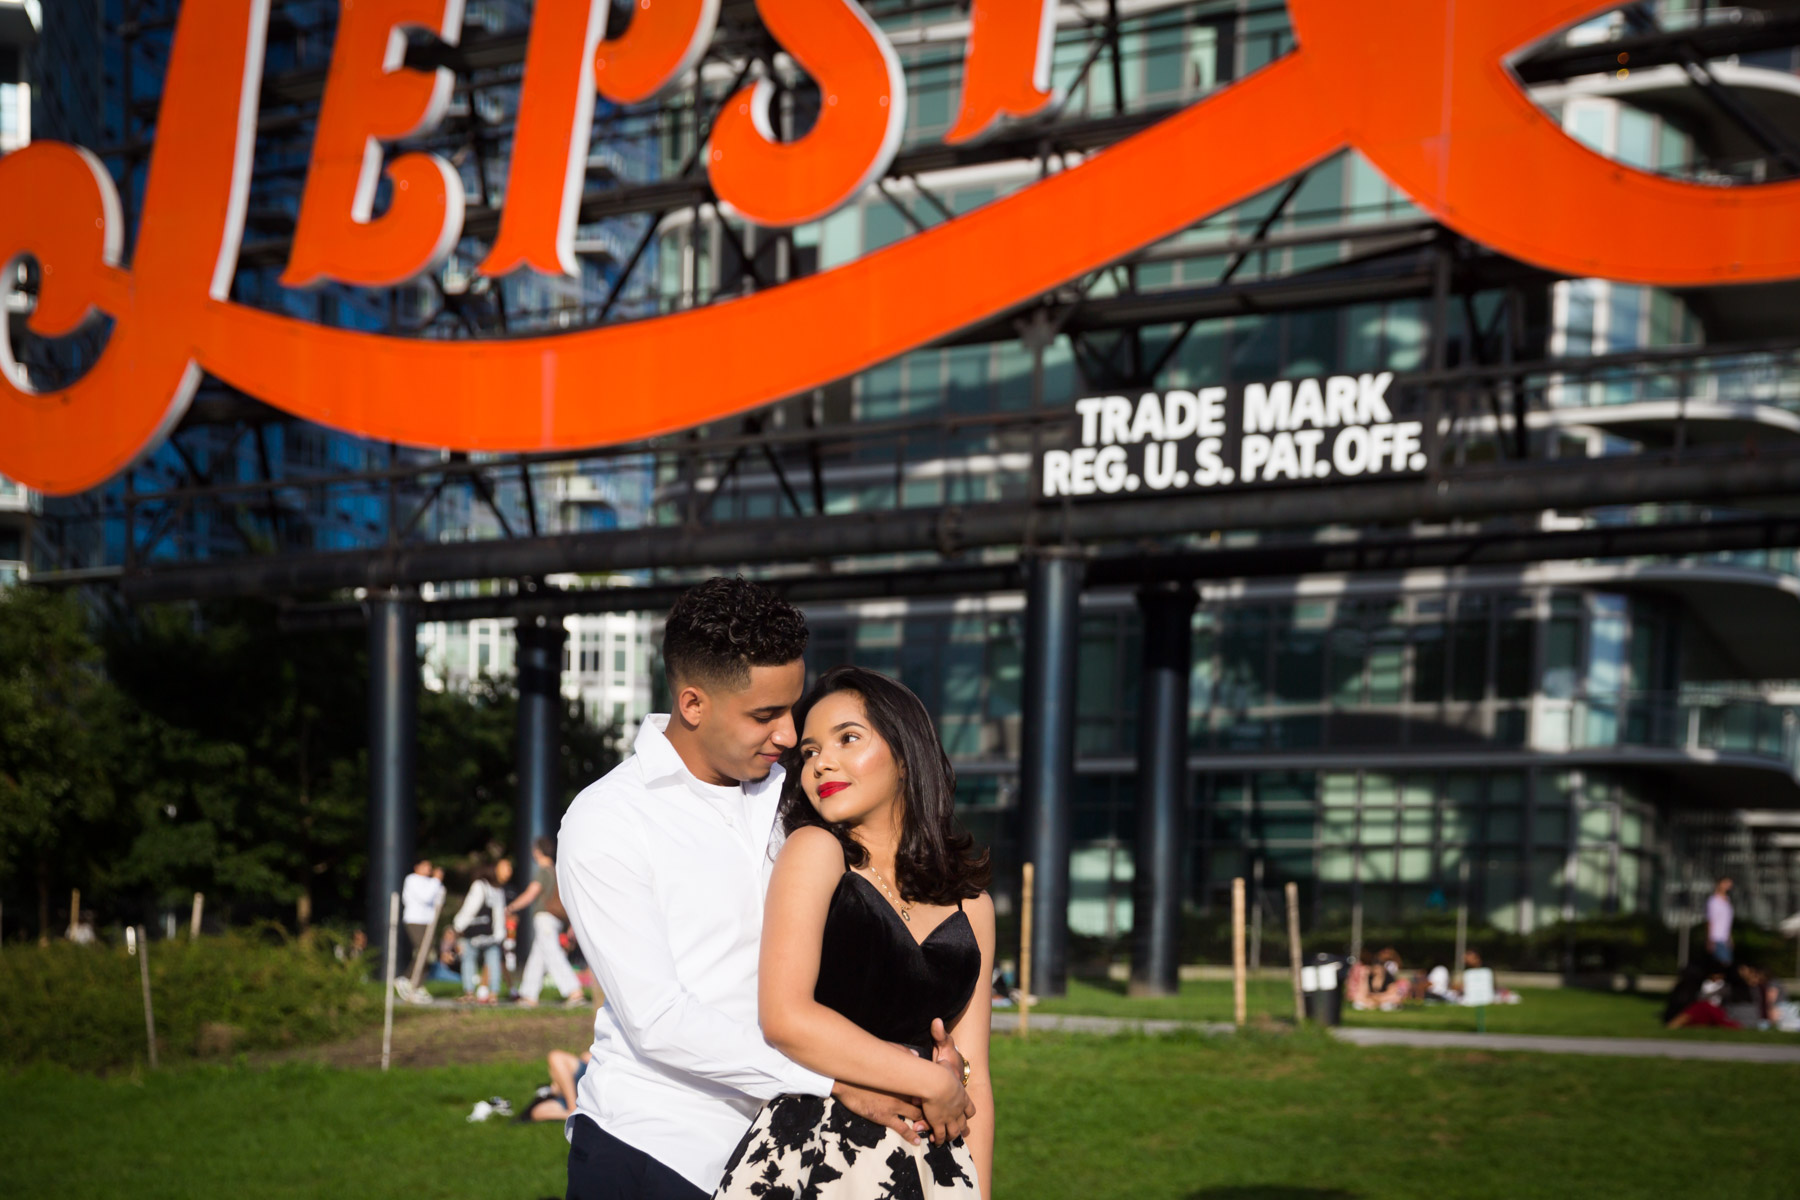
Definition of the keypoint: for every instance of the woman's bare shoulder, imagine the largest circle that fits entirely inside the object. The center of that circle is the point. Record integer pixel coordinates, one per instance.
(810, 848)
(981, 913)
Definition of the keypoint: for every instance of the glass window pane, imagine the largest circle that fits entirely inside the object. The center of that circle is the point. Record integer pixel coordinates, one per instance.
(1502, 826)
(1337, 825)
(1416, 825)
(1561, 640)
(1630, 880)
(1550, 826)
(1468, 659)
(1378, 826)
(1593, 880)
(1348, 648)
(1415, 866)
(1459, 822)
(1597, 824)
(1547, 886)
(1299, 663)
(1335, 865)
(1506, 787)
(1387, 661)
(1377, 867)
(1379, 788)
(1428, 664)
(1337, 790)
(1512, 659)
(1500, 892)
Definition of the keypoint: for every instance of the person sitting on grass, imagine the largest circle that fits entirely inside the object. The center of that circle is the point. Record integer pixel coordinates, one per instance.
(556, 1100)
(1705, 1009)
(1437, 987)
(1388, 987)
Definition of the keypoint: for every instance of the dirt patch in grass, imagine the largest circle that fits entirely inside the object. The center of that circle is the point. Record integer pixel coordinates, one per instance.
(452, 1037)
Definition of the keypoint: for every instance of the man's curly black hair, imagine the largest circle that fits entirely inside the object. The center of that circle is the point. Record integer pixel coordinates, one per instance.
(719, 629)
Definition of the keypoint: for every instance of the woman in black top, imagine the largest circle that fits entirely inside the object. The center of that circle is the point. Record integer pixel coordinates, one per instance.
(877, 929)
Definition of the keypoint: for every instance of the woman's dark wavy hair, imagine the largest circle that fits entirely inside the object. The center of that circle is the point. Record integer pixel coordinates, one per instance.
(937, 862)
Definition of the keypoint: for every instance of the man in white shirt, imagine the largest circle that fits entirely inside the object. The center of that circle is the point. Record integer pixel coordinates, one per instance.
(419, 896)
(662, 869)
(1719, 918)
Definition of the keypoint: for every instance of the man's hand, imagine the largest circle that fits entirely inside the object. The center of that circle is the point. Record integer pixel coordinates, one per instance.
(883, 1108)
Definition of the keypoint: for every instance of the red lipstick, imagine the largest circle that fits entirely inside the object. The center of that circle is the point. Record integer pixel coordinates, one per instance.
(832, 788)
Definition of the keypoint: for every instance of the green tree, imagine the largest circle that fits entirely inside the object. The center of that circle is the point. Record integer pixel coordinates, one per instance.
(468, 764)
(245, 760)
(57, 720)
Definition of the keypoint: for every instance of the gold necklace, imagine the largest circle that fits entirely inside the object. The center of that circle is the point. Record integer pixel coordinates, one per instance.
(905, 913)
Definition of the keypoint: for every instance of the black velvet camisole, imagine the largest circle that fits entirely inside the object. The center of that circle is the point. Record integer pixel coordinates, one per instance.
(872, 970)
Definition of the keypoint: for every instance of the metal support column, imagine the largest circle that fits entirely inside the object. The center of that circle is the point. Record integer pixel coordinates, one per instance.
(393, 753)
(1047, 761)
(1168, 615)
(540, 660)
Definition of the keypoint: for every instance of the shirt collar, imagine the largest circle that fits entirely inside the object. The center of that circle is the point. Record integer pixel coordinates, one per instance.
(662, 763)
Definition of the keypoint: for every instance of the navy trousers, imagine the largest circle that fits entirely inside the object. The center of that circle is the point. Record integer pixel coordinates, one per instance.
(601, 1167)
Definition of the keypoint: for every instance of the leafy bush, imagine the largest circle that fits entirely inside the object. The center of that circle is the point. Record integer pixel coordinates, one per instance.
(82, 1006)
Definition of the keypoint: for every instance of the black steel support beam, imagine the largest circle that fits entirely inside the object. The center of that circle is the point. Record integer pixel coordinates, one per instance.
(539, 662)
(1047, 755)
(393, 747)
(1240, 562)
(1468, 494)
(1757, 30)
(1162, 788)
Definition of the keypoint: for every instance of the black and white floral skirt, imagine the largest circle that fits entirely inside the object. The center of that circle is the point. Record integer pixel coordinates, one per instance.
(813, 1148)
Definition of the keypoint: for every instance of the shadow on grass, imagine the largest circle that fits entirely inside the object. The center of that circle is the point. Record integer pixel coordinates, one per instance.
(1270, 1191)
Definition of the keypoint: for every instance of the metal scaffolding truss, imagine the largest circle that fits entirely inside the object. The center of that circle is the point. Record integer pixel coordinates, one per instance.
(224, 512)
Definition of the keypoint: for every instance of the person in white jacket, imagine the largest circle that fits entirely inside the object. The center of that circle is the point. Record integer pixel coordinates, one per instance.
(480, 926)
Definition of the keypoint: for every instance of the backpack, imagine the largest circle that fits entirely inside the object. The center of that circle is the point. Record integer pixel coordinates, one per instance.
(482, 924)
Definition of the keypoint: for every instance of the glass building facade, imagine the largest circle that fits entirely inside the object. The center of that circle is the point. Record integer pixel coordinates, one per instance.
(1553, 741)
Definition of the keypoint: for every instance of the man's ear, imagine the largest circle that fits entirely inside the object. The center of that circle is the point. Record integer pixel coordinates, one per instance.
(691, 704)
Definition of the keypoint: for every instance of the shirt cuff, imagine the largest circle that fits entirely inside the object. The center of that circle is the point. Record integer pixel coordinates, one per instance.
(808, 1083)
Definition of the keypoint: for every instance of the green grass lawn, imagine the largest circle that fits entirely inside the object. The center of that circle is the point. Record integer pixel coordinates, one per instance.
(1555, 1011)
(1182, 1118)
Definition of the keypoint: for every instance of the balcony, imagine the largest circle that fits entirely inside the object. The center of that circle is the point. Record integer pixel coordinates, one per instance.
(1702, 723)
(16, 498)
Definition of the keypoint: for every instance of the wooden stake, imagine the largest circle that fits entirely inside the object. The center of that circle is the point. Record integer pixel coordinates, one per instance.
(194, 921)
(1237, 950)
(387, 1020)
(429, 941)
(74, 911)
(1025, 955)
(1256, 914)
(1293, 914)
(1462, 919)
(143, 952)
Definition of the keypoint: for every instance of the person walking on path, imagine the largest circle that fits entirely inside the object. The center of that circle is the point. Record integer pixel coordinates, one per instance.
(547, 918)
(419, 895)
(1719, 916)
(480, 926)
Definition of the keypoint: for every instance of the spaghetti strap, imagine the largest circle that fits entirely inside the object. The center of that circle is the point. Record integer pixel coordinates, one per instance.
(959, 901)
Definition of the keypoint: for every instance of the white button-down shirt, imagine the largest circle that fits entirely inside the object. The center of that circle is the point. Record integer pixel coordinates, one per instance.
(663, 877)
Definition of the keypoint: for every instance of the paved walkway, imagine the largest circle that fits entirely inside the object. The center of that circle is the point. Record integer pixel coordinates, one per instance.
(1762, 1052)
(1008, 1022)
(1430, 1039)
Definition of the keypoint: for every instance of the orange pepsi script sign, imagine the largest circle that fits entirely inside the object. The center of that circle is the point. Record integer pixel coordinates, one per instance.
(1280, 432)
(1420, 87)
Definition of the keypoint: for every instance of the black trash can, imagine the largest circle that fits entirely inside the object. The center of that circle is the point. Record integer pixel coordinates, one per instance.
(1322, 984)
